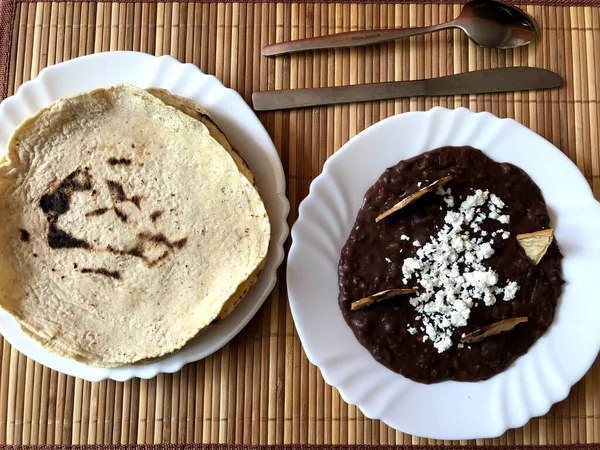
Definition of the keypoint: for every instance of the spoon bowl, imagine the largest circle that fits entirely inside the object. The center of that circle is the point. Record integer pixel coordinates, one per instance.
(492, 24)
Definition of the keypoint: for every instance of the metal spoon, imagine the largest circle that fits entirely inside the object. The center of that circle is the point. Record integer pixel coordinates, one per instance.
(488, 23)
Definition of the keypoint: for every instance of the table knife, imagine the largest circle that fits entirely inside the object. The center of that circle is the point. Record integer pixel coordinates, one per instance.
(477, 82)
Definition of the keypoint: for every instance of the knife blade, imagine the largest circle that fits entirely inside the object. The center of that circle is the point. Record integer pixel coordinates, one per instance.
(478, 82)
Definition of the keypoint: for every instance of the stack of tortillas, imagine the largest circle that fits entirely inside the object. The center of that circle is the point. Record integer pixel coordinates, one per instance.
(128, 224)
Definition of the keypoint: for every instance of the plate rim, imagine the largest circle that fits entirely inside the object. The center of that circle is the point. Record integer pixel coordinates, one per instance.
(300, 226)
(173, 362)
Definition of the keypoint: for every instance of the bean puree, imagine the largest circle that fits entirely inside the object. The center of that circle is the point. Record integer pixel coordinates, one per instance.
(372, 258)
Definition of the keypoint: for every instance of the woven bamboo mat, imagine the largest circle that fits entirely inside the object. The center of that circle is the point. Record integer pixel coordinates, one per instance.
(260, 388)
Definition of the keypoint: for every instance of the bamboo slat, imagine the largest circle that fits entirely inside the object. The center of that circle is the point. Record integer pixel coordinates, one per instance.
(261, 389)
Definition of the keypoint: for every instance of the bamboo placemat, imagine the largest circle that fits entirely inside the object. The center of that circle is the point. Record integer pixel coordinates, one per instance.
(260, 388)
(294, 447)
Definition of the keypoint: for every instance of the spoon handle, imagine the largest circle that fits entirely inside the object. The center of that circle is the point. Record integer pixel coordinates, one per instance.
(349, 39)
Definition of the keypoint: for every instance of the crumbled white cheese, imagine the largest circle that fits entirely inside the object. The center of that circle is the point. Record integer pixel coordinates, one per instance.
(412, 330)
(484, 251)
(469, 258)
(455, 219)
(404, 238)
(449, 268)
(443, 344)
(477, 199)
(419, 184)
(388, 260)
(496, 201)
(409, 266)
(449, 201)
(510, 291)
(506, 235)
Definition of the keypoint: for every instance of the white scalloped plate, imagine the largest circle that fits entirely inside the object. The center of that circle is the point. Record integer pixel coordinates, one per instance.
(243, 129)
(447, 410)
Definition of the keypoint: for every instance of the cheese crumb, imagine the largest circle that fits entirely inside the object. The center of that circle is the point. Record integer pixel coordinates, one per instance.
(404, 238)
(409, 266)
(510, 291)
(412, 330)
(496, 201)
(477, 199)
(484, 251)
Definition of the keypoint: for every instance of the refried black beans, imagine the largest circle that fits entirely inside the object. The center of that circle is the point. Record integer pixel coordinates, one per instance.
(372, 259)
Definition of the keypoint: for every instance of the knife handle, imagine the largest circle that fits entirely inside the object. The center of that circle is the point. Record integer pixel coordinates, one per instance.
(300, 98)
(348, 39)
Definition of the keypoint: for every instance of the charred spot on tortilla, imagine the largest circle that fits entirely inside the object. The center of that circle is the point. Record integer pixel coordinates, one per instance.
(156, 215)
(146, 241)
(118, 195)
(24, 235)
(136, 200)
(97, 212)
(105, 272)
(59, 238)
(57, 202)
(119, 161)
(116, 191)
(121, 215)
